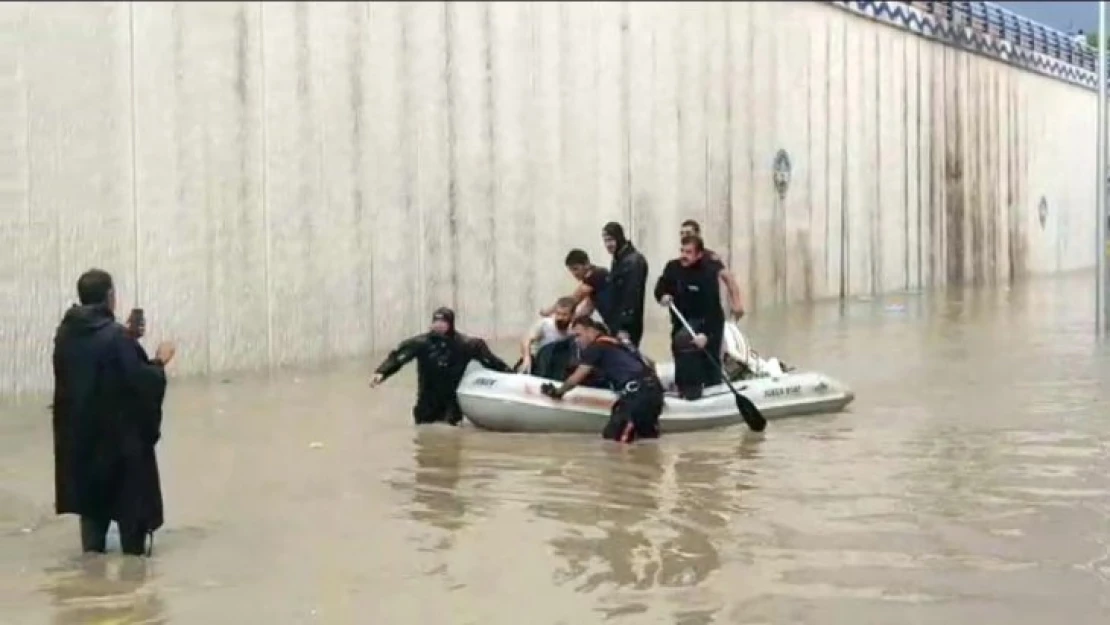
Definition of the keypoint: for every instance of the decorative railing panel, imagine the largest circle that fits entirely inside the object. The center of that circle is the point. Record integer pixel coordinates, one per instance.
(989, 29)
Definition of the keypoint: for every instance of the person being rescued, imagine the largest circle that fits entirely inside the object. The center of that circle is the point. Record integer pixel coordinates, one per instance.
(442, 355)
(632, 375)
(547, 350)
(692, 283)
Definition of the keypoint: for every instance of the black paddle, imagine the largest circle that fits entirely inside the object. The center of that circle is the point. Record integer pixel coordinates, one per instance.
(751, 414)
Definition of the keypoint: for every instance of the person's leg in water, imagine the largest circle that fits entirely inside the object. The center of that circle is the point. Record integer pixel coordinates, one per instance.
(619, 427)
(132, 539)
(430, 410)
(636, 415)
(645, 407)
(94, 534)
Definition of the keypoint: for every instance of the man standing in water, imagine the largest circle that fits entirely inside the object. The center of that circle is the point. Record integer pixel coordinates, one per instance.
(636, 412)
(692, 283)
(691, 228)
(107, 417)
(628, 283)
(441, 355)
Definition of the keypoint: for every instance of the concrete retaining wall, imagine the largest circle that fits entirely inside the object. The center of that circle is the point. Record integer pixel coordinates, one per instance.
(286, 183)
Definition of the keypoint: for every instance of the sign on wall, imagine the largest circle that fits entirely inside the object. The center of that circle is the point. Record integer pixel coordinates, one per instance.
(782, 171)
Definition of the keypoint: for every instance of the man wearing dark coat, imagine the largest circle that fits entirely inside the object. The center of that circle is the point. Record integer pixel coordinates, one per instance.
(107, 415)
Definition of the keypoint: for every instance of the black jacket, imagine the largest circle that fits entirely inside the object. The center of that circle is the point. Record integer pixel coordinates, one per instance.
(696, 291)
(628, 281)
(441, 360)
(107, 418)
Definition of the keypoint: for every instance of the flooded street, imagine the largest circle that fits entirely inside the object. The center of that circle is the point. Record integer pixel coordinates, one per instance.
(968, 483)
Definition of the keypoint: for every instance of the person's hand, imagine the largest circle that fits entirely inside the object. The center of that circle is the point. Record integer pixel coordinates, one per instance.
(666, 300)
(525, 366)
(165, 352)
(376, 380)
(701, 340)
(551, 391)
(738, 313)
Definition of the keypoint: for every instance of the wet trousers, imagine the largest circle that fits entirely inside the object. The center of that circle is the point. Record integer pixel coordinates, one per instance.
(94, 537)
(437, 407)
(694, 368)
(636, 412)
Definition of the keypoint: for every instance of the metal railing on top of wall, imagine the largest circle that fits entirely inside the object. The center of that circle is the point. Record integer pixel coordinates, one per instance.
(990, 19)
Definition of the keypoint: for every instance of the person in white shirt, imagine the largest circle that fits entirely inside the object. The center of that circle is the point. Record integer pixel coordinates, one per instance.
(546, 332)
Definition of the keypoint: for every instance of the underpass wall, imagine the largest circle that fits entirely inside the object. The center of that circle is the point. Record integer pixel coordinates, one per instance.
(287, 183)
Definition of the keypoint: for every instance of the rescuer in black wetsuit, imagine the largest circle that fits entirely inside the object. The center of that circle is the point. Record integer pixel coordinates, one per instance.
(442, 355)
(627, 284)
(636, 413)
(692, 283)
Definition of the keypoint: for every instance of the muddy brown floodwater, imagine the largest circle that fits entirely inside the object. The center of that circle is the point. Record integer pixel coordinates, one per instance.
(967, 484)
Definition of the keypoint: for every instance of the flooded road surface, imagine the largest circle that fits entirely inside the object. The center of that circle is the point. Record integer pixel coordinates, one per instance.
(969, 483)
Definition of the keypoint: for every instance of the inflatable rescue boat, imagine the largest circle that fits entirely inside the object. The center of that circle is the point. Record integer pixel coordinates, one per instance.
(511, 402)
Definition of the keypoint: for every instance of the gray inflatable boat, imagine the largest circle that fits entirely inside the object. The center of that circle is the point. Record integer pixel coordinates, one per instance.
(510, 402)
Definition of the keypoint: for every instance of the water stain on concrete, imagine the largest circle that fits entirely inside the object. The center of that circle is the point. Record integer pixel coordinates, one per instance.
(452, 145)
(955, 170)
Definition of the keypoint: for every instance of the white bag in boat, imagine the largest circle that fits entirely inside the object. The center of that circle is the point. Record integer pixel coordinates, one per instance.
(737, 348)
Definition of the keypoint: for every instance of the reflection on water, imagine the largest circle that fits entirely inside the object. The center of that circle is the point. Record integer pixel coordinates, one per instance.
(970, 482)
(102, 590)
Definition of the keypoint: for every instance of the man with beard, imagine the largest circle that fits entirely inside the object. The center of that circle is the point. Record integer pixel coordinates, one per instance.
(547, 344)
(636, 412)
(441, 355)
(107, 418)
(692, 283)
(628, 283)
(593, 292)
(691, 228)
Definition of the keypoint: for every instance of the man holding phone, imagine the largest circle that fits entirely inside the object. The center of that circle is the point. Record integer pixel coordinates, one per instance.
(107, 418)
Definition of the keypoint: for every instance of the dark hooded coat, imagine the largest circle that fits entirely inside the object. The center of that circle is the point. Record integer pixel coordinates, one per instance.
(628, 281)
(107, 415)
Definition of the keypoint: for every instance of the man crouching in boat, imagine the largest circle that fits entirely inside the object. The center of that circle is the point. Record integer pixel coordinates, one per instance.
(636, 412)
(441, 355)
(546, 350)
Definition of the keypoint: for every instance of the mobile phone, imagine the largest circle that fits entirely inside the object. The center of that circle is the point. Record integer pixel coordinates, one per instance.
(136, 321)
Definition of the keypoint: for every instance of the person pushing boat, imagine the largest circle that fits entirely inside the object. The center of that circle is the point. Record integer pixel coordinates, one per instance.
(636, 412)
(442, 355)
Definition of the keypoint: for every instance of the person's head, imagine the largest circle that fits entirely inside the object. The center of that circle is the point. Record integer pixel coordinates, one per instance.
(692, 250)
(586, 330)
(564, 312)
(689, 228)
(578, 263)
(612, 234)
(443, 321)
(95, 288)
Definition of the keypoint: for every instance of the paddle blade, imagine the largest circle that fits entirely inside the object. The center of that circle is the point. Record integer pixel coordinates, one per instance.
(752, 416)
